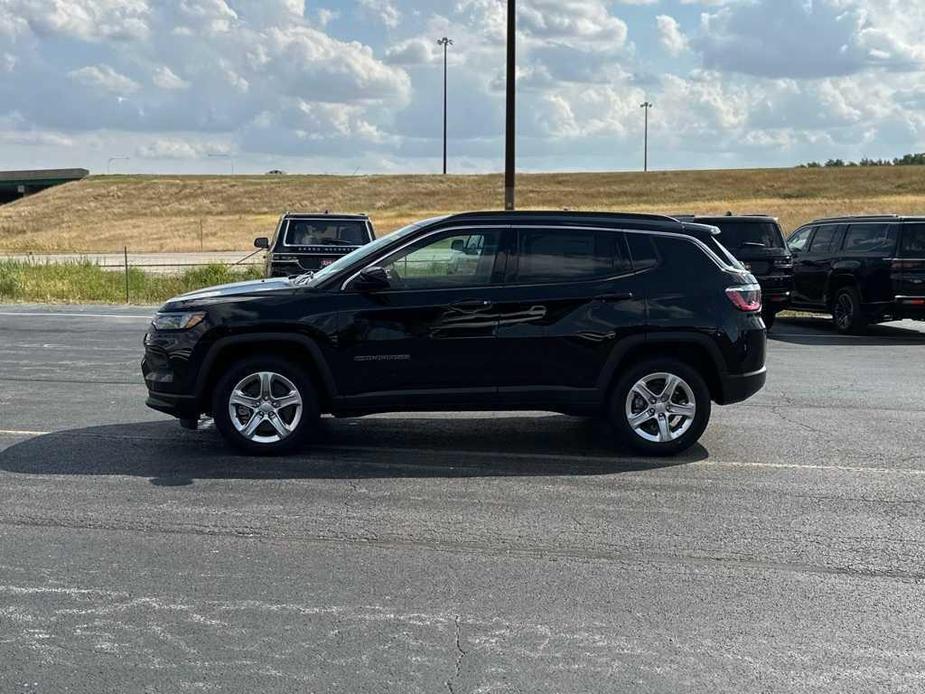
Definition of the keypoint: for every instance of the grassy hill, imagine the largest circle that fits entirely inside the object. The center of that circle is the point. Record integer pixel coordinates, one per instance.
(166, 213)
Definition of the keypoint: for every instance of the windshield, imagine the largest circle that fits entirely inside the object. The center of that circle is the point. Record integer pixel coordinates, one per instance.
(735, 234)
(323, 232)
(361, 254)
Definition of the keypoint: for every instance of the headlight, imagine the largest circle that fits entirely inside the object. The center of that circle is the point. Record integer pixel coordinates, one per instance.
(177, 321)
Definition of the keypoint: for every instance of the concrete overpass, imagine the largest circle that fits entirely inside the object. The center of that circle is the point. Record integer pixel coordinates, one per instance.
(18, 184)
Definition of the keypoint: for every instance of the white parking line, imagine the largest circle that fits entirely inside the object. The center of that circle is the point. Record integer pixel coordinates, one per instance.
(73, 315)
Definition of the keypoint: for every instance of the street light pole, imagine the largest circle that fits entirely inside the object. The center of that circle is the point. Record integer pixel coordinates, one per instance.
(446, 43)
(510, 134)
(645, 167)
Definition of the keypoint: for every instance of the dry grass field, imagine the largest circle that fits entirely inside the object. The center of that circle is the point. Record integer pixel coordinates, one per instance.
(166, 213)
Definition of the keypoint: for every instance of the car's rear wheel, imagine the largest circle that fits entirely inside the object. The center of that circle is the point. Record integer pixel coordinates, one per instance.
(661, 407)
(847, 312)
(265, 406)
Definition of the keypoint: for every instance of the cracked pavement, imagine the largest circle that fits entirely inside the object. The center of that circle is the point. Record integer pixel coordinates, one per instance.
(486, 552)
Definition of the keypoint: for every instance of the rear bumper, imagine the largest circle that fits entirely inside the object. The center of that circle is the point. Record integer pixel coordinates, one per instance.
(738, 388)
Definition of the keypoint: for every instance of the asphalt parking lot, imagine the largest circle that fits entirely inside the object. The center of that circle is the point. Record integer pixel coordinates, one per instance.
(461, 553)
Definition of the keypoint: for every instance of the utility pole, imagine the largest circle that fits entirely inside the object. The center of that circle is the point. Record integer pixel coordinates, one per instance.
(645, 166)
(224, 156)
(510, 133)
(446, 43)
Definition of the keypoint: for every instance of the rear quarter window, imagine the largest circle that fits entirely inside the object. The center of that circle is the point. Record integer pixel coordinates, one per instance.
(683, 260)
(913, 241)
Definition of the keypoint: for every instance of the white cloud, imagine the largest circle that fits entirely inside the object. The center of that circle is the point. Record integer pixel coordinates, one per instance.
(165, 78)
(670, 35)
(174, 148)
(383, 11)
(89, 20)
(104, 78)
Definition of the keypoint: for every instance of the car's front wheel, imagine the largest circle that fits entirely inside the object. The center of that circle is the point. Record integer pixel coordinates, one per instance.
(661, 407)
(265, 406)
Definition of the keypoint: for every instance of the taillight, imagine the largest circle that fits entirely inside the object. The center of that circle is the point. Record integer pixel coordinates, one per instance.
(784, 263)
(747, 298)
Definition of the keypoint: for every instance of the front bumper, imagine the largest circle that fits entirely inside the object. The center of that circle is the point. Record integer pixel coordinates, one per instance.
(180, 406)
(738, 388)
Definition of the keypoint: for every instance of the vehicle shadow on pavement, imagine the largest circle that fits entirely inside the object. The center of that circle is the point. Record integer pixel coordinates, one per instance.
(816, 331)
(407, 447)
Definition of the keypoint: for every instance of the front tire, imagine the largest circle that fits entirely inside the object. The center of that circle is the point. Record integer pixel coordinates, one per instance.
(847, 313)
(661, 407)
(265, 406)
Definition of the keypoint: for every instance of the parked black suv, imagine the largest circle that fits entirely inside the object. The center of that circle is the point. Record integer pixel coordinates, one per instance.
(643, 318)
(757, 241)
(862, 270)
(308, 242)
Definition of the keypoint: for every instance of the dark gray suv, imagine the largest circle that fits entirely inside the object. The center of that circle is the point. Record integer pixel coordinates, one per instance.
(306, 242)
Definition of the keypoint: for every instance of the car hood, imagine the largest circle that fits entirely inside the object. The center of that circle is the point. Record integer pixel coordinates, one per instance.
(234, 290)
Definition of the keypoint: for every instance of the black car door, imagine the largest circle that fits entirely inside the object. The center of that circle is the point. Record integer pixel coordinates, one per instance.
(798, 243)
(816, 264)
(432, 330)
(570, 296)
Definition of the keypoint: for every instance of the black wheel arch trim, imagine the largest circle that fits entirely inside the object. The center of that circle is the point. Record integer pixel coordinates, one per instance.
(308, 344)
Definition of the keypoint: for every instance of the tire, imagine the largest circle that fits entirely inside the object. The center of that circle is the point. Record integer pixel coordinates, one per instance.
(649, 438)
(769, 318)
(248, 380)
(847, 313)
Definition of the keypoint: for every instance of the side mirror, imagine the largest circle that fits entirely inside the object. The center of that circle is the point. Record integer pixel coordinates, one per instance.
(458, 245)
(262, 242)
(372, 279)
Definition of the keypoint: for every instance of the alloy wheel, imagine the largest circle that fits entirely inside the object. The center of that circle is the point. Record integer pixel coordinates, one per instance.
(265, 407)
(844, 311)
(661, 407)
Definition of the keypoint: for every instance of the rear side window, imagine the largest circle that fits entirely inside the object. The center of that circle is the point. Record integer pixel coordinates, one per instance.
(734, 235)
(913, 243)
(555, 255)
(683, 261)
(870, 238)
(642, 250)
(824, 240)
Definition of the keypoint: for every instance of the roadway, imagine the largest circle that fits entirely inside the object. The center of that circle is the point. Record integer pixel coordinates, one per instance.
(484, 552)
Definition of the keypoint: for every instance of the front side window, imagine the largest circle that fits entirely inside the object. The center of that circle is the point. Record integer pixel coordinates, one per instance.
(569, 255)
(461, 259)
(800, 238)
(913, 245)
(321, 232)
(824, 240)
(865, 238)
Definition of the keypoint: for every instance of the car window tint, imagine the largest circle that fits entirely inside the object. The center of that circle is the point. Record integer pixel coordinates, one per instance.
(735, 234)
(683, 260)
(553, 255)
(643, 252)
(307, 232)
(864, 238)
(824, 239)
(798, 241)
(465, 259)
(914, 240)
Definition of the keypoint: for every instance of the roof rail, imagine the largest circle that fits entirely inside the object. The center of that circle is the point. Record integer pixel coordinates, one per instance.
(866, 217)
(571, 213)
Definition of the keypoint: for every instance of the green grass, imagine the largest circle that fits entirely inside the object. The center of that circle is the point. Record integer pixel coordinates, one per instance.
(86, 282)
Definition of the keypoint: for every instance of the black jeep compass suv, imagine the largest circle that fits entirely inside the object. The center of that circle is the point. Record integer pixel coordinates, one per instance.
(861, 270)
(308, 242)
(644, 319)
(757, 241)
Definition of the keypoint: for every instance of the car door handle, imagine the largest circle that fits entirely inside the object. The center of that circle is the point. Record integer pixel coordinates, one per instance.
(469, 306)
(615, 297)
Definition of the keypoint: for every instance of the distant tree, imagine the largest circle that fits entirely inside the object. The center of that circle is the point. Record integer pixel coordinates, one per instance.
(905, 160)
(835, 164)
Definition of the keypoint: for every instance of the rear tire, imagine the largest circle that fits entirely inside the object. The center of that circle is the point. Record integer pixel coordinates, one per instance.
(265, 406)
(660, 407)
(847, 313)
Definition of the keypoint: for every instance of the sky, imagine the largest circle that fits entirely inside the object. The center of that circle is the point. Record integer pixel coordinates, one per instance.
(355, 86)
